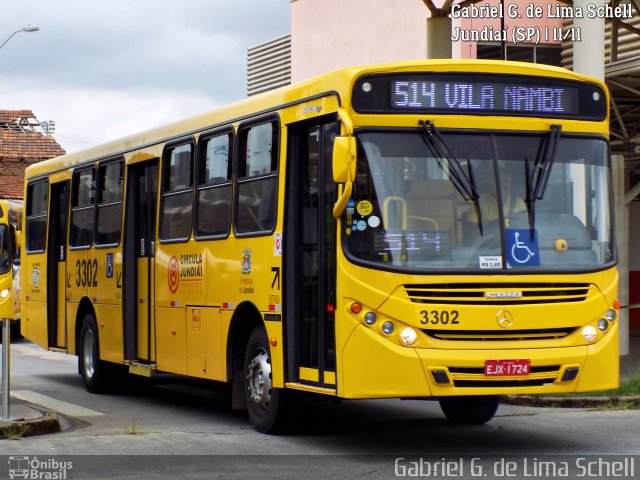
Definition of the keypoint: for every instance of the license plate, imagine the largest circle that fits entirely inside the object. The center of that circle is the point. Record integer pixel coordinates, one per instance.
(507, 368)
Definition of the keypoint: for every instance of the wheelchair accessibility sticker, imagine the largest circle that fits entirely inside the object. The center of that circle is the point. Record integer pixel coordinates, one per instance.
(522, 250)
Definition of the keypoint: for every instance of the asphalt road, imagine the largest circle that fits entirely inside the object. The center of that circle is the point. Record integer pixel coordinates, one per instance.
(172, 428)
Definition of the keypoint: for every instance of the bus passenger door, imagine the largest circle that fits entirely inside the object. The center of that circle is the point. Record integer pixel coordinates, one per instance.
(138, 260)
(57, 266)
(310, 264)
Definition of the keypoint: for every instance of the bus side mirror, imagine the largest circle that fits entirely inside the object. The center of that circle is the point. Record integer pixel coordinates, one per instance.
(344, 159)
(344, 170)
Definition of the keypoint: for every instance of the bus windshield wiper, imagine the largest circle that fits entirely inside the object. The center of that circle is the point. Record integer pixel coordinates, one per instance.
(463, 181)
(537, 176)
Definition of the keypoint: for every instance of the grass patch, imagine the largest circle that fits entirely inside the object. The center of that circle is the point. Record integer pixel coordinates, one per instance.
(616, 406)
(15, 431)
(133, 428)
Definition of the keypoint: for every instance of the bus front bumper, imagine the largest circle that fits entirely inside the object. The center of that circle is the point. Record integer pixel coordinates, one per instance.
(376, 368)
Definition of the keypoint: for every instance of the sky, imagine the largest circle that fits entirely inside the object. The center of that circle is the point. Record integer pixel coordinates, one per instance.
(106, 69)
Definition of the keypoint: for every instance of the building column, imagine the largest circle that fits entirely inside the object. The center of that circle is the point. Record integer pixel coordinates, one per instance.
(588, 59)
(588, 53)
(622, 234)
(439, 36)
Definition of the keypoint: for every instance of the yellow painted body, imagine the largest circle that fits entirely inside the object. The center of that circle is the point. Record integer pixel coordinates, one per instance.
(374, 365)
(189, 329)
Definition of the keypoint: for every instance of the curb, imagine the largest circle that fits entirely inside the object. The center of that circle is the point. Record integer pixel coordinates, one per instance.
(572, 402)
(20, 427)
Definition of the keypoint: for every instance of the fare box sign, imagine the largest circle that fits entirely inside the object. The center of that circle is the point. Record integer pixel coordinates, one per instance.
(507, 368)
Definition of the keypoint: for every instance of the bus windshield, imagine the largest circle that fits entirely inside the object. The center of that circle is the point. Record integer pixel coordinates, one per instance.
(411, 209)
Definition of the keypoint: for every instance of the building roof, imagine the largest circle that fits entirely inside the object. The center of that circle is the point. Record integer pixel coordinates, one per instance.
(7, 116)
(28, 146)
(22, 142)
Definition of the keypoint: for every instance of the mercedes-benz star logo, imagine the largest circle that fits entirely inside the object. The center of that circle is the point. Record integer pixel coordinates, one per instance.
(505, 318)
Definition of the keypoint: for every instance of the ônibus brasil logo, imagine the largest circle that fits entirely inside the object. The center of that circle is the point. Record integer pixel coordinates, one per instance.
(35, 468)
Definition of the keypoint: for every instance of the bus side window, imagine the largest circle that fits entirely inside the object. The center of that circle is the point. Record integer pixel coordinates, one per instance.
(82, 207)
(36, 224)
(257, 178)
(177, 193)
(110, 190)
(214, 187)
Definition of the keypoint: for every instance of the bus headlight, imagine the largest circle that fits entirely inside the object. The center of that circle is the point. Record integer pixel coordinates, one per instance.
(589, 333)
(611, 315)
(388, 328)
(5, 293)
(603, 325)
(370, 318)
(408, 336)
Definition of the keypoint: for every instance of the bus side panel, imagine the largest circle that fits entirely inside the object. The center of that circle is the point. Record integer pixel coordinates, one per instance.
(78, 275)
(36, 323)
(171, 341)
(77, 278)
(34, 288)
(204, 341)
(274, 331)
(180, 274)
(105, 292)
(109, 318)
(225, 317)
(72, 312)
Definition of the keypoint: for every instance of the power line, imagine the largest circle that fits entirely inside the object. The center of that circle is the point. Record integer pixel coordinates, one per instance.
(74, 139)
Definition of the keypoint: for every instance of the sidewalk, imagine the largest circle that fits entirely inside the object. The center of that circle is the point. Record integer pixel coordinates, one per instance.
(27, 420)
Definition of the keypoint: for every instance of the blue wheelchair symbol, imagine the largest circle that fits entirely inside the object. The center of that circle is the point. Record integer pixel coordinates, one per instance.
(522, 250)
(109, 265)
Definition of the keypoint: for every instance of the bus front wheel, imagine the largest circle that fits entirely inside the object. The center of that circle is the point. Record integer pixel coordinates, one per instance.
(471, 410)
(264, 403)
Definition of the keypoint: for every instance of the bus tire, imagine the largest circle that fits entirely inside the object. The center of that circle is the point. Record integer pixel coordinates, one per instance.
(92, 369)
(15, 331)
(264, 403)
(470, 410)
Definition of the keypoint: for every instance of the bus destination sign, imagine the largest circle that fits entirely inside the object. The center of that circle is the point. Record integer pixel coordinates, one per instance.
(479, 94)
(487, 97)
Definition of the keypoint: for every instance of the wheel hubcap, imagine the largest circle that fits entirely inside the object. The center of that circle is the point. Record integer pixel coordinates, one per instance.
(88, 354)
(259, 379)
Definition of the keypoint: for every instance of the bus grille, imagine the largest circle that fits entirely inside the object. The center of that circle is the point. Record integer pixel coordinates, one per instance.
(497, 294)
(474, 377)
(500, 335)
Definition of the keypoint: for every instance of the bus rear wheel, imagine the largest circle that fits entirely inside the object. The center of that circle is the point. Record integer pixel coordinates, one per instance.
(471, 410)
(264, 403)
(91, 368)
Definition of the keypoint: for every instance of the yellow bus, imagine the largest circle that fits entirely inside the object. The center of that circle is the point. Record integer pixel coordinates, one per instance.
(420, 229)
(10, 223)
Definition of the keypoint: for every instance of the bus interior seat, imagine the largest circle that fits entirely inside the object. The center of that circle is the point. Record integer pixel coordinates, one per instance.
(430, 205)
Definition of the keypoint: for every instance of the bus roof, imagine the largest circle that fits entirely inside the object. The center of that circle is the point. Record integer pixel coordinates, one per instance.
(338, 82)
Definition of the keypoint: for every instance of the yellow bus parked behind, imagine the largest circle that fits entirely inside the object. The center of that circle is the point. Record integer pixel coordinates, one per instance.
(10, 223)
(419, 229)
